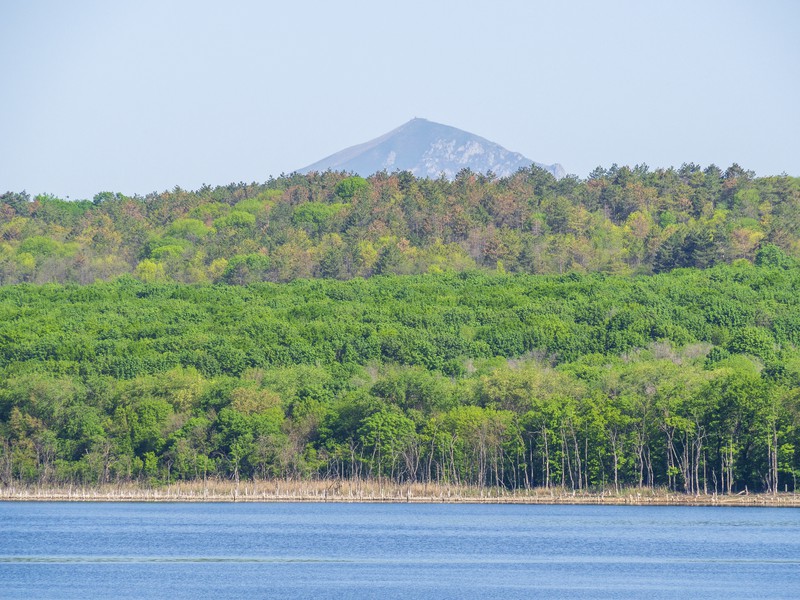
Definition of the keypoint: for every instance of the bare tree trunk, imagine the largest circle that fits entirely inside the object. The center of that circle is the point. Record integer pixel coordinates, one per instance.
(774, 458)
(670, 461)
(615, 454)
(565, 457)
(547, 459)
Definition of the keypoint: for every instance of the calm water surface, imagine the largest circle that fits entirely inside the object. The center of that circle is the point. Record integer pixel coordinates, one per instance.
(110, 550)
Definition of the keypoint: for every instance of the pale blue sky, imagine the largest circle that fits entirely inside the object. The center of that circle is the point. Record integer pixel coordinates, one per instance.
(140, 96)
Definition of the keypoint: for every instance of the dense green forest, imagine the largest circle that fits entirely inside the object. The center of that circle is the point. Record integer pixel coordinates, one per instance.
(620, 220)
(637, 328)
(688, 379)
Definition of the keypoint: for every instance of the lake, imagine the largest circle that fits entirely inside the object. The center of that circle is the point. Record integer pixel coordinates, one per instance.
(165, 550)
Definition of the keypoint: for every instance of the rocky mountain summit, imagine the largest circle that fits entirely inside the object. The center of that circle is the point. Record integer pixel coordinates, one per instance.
(428, 149)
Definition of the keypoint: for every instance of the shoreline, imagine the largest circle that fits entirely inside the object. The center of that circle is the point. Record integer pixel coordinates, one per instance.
(370, 492)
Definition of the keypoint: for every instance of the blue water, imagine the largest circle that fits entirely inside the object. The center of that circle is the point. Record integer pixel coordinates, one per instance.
(110, 550)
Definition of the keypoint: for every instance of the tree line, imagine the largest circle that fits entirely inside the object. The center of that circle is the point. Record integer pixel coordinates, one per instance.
(688, 379)
(620, 220)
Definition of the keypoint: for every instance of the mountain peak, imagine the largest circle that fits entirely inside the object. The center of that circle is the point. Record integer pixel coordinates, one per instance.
(428, 149)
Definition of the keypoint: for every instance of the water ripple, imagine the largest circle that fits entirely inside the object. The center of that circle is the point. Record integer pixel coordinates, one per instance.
(159, 559)
(290, 560)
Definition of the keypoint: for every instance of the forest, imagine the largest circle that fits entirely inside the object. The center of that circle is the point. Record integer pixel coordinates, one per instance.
(688, 380)
(635, 329)
(330, 225)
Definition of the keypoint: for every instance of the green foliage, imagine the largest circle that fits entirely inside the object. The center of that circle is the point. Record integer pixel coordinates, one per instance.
(770, 255)
(17, 201)
(316, 217)
(352, 186)
(39, 246)
(752, 340)
(237, 219)
(686, 379)
(621, 220)
(191, 229)
(247, 268)
(513, 336)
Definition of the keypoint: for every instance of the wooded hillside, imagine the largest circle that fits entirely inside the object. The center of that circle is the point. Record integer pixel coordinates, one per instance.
(620, 220)
(688, 379)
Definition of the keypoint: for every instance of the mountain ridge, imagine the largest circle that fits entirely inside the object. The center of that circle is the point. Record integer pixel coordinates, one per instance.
(428, 149)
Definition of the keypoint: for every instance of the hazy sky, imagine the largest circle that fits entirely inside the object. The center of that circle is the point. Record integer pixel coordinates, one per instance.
(144, 95)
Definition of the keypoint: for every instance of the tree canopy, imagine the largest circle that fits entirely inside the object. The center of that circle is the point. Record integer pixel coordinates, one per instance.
(687, 379)
(620, 220)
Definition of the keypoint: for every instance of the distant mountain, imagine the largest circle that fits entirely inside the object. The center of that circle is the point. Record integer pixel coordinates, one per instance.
(428, 149)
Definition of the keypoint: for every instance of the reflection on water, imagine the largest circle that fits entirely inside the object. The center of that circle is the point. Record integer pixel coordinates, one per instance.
(97, 550)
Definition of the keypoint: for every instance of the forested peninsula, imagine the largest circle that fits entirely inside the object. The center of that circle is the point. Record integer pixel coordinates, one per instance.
(637, 329)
